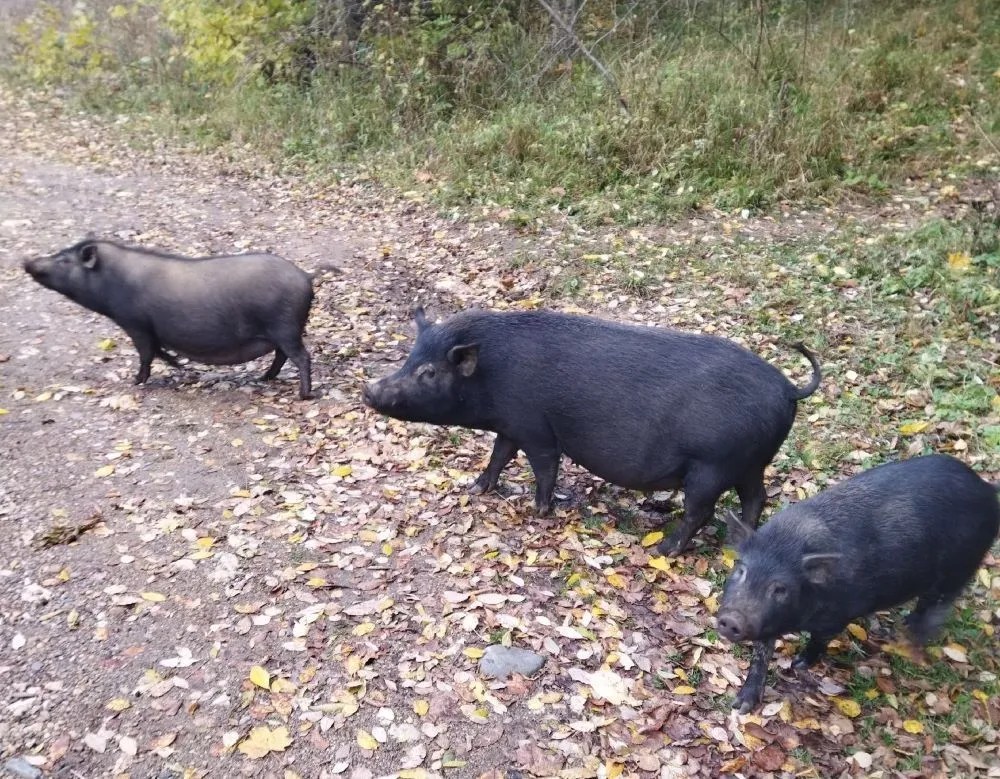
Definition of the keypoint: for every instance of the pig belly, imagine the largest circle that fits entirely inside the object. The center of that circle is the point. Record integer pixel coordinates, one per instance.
(233, 355)
(641, 476)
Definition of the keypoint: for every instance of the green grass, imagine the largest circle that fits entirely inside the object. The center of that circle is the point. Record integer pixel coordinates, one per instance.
(837, 99)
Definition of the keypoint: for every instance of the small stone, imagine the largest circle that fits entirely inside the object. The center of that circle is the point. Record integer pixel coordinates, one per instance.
(499, 661)
(21, 768)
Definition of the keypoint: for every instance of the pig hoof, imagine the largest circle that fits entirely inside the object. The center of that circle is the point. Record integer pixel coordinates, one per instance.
(670, 547)
(746, 701)
(543, 510)
(481, 486)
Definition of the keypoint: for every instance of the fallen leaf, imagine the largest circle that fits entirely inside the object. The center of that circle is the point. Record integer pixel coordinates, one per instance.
(849, 707)
(263, 740)
(857, 631)
(913, 726)
(959, 261)
(366, 740)
(260, 677)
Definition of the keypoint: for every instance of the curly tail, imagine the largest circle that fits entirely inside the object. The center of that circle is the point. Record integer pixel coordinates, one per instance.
(817, 377)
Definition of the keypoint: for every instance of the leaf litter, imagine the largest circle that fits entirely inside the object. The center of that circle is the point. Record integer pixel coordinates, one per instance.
(305, 589)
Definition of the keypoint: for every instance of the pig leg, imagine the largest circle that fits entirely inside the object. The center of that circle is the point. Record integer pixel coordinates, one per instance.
(296, 352)
(545, 464)
(504, 450)
(701, 492)
(930, 613)
(147, 347)
(815, 648)
(753, 688)
(272, 372)
(752, 496)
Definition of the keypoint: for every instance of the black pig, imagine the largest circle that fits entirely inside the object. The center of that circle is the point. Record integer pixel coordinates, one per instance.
(917, 528)
(217, 310)
(644, 408)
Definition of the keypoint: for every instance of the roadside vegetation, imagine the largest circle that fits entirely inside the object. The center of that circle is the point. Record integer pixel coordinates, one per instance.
(629, 113)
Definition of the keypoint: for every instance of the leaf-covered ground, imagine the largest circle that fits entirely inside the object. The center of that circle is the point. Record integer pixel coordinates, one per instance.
(208, 577)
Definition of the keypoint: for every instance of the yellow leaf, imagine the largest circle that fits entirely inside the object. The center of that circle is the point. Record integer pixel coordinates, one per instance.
(871, 694)
(659, 563)
(979, 695)
(236, 442)
(63, 575)
(205, 542)
(474, 652)
(857, 631)
(260, 677)
(118, 704)
(614, 770)
(617, 580)
(316, 581)
(912, 428)
(956, 652)
(848, 707)
(342, 470)
(263, 740)
(683, 690)
(106, 345)
(153, 597)
(913, 726)
(421, 707)
(43, 397)
(3, 411)
(282, 686)
(959, 261)
(652, 538)
(367, 741)
(387, 549)
(712, 604)
(363, 629)
(413, 773)
(728, 556)
(104, 470)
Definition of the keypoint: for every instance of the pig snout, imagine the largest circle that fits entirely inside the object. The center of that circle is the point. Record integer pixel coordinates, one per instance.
(35, 267)
(376, 395)
(733, 626)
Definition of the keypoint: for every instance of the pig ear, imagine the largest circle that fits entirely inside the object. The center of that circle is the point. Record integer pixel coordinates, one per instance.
(739, 531)
(419, 318)
(88, 256)
(465, 358)
(819, 568)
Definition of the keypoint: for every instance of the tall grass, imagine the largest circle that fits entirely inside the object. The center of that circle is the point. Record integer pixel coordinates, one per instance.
(826, 98)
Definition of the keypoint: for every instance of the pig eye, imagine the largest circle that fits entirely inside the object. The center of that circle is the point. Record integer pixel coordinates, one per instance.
(425, 371)
(779, 591)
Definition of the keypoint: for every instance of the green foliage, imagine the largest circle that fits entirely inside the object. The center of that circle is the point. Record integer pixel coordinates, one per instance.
(477, 101)
(217, 38)
(52, 48)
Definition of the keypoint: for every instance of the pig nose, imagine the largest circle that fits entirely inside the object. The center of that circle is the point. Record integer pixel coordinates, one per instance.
(732, 626)
(370, 395)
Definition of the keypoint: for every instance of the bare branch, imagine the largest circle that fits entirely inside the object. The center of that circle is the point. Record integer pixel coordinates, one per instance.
(608, 76)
